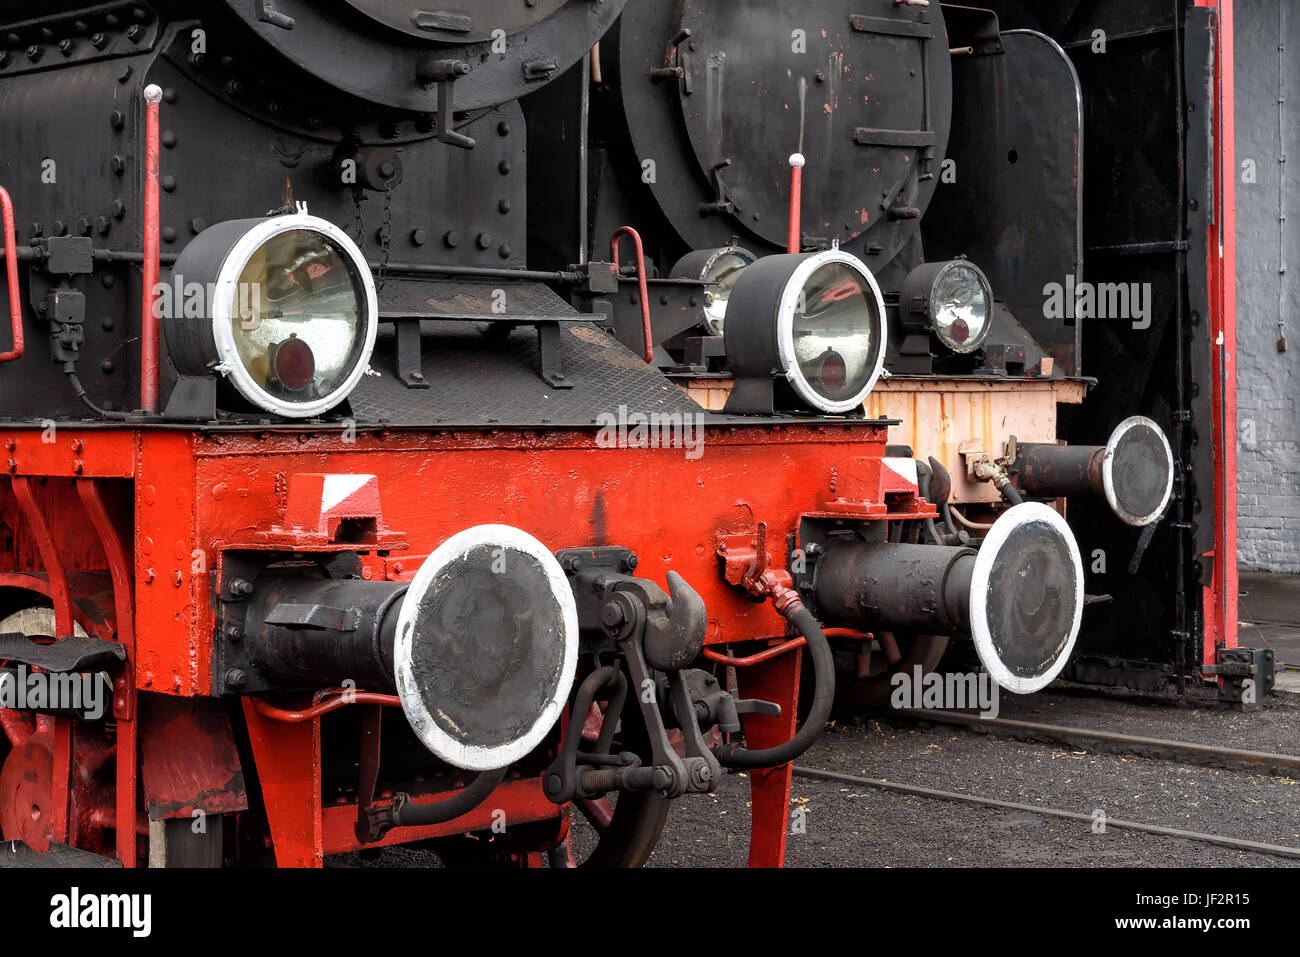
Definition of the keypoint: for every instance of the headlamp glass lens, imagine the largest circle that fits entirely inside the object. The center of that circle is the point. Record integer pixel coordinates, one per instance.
(722, 276)
(834, 332)
(299, 316)
(960, 306)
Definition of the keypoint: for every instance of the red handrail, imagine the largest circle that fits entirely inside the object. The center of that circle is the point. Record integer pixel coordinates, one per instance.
(640, 273)
(149, 321)
(11, 271)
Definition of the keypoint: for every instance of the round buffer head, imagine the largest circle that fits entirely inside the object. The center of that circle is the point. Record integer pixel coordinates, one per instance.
(486, 647)
(1026, 597)
(1137, 471)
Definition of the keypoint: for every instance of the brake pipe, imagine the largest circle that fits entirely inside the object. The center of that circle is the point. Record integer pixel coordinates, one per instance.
(787, 601)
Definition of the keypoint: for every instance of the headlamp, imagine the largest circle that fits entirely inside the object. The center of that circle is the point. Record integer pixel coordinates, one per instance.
(284, 308)
(954, 299)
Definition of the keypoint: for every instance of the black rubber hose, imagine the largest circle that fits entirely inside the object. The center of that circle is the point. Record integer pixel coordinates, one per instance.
(923, 477)
(1010, 493)
(947, 519)
(734, 756)
(406, 814)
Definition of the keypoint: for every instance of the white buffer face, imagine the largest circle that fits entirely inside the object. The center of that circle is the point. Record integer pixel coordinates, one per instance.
(1026, 597)
(486, 647)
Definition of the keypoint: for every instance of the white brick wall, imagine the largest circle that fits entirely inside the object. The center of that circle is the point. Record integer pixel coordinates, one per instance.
(1268, 382)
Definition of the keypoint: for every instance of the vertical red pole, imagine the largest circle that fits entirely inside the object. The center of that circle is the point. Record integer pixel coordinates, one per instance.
(1221, 616)
(149, 321)
(11, 271)
(794, 242)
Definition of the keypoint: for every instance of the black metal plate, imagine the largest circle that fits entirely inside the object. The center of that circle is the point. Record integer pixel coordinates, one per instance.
(1015, 206)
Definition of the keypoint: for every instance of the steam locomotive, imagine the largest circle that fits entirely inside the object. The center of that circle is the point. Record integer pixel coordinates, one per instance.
(387, 507)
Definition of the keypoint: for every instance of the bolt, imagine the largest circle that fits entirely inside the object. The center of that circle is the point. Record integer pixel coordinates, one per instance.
(419, 237)
(236, 678)
(133, 32)
(241, 588)
(65, 47)
(553, 783)
(117, 119)
(612, 616)
(234, 633)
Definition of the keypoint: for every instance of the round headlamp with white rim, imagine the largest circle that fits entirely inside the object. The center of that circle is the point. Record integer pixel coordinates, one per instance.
(817, 320)
(954, 300)
(486, 647)
(284, 308)
(718, 269)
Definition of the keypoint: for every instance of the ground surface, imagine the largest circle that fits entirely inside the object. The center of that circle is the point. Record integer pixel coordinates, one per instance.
(848, 826)
(1269, 613)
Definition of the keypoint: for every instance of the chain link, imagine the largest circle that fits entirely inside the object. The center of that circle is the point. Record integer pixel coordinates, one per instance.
(358, 221)
(385, 235)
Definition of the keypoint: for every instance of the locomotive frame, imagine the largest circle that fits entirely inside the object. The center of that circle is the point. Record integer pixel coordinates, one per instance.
(191, 509)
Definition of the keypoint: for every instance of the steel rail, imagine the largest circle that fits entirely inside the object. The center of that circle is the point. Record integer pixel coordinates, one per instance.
(1137, 743)
(1256, 847)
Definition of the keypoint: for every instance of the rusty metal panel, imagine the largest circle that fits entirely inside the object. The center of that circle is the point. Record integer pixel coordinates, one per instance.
(944, 418)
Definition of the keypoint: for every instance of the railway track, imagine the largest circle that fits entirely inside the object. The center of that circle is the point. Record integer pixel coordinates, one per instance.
(1256, 847)
(1205, 755)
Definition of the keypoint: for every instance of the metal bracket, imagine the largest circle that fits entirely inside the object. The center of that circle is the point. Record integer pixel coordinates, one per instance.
(409, 370)
(550, 346)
